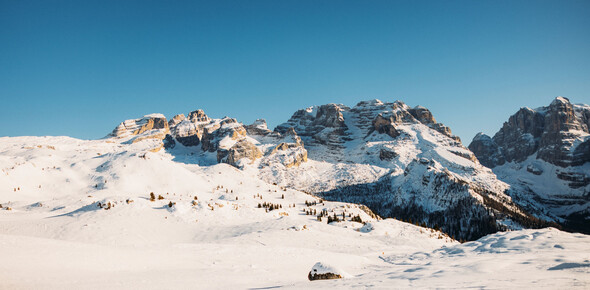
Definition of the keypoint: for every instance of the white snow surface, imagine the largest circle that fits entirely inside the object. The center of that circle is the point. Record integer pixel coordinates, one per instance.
(55, 235)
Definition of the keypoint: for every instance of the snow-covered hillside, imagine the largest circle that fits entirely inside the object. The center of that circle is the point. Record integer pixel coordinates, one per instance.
(80, 214)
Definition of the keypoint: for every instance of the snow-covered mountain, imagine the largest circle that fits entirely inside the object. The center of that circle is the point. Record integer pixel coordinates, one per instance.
(200, 202)
(395, 159)
(401, 163)
(544, 154)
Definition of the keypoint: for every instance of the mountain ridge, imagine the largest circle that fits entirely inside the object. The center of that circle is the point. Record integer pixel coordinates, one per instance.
(422, 171)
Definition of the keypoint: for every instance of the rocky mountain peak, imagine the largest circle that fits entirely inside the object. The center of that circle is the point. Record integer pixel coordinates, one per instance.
(552, 133)
(330, 115)
(198, 116)
(543, 153)
(328, 125)
(176, 120)
(259, 127)
(560, 101)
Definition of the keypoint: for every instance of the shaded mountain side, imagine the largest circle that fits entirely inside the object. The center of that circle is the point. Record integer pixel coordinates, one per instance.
(467, 219)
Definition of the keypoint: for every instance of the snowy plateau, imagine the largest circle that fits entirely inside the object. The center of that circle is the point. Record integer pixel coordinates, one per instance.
(379, 195)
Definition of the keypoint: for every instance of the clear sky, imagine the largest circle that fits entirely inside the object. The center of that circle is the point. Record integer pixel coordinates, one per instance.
(79, 68)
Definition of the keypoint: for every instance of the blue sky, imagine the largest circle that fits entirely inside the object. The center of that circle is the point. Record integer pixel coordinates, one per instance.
(78, 68)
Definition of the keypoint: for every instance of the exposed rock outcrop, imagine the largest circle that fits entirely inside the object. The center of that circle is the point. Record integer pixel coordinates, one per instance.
(326, 125)
(216, 132)
(322, 271)
(189, 131)
(134, 127)
(289, 151)
(176, 120)
(152, 127)
(259, 128)
(289, 154)
(385, 126)
(241, 149)
(486, 150)
(576, 179)
(322, 126)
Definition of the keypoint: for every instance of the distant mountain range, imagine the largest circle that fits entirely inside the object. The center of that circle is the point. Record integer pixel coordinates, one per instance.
(396, 160)
(401, 163)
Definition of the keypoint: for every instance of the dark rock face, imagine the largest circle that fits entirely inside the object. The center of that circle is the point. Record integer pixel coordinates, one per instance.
(534, 169)
(423, 115)
(550, 132)
(330, 116)
(561, 123)
(169, 142)
(385, 154)
(385, 126)
(191, 140)
(581, 154)
(486, 150)
(229, 139)
(313, 120)
(576, 179)
(325, 276)
(520, 136)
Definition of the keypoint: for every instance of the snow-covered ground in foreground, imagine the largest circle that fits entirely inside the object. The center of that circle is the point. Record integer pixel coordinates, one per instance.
(525, 259)
(55, 235)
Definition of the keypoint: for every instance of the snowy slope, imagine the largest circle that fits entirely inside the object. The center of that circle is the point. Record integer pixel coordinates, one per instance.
(540, 259)
(81, 217)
